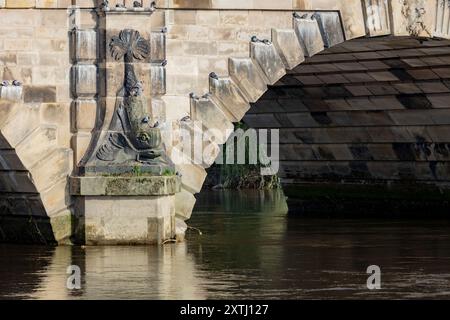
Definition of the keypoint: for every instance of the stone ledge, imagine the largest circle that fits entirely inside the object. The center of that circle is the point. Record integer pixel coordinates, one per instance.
(125, 186)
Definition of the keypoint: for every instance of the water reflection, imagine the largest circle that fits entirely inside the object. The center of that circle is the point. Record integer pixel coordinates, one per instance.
(249, 249)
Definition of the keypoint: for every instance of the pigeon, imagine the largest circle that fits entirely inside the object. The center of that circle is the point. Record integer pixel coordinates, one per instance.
(164, 63)
(105, 5)
(186, 118)
(153, 6)
(297, 16)
(178, 174)
(156, 125)
(255, 39)
(193, 96)
(17, 83)
(120, 6)
(146, 119)
(214, 75)
(5, 83)
(137, 4)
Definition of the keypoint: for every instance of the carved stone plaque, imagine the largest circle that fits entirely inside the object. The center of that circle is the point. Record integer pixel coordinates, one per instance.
(132, 143)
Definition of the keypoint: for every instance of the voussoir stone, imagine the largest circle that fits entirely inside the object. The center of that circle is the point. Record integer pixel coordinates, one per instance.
(212, 118)
(270, 62)
(309, 35)
(229, 97)
(248, 77)
(330, 27)
(288, 46)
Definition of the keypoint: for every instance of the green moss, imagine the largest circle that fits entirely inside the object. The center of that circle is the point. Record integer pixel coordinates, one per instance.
(168, 172)
(137, 171)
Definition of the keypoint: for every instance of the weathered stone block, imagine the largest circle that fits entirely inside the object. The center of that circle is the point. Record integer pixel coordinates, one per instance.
(158, 80)
(229, 97)
(84, 80)
(46, 4)
(184, 204)
(124, 185)
(212, 118)
(288, 47)
(308, 32)
(20, 124)
(84, 45)
(54, 167)
(20, 3)
(37, 145)
(80, 144)
(269, 61)
(192, 176)
(11, 93)
(330, 27)
(63, 224)
(127, 219)
(196, 144)
(56, 198)
(39, 94)
(158, 46)
(84, 114)
(248, 77)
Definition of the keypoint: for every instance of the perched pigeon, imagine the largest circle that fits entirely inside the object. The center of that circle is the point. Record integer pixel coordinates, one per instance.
(146, 119)
(153, 6)
(5, 83)
(256, 39)
(164, 63)
(137, 4)
(214, 75)
(16, 83)
(156, 125)
(186, 118)
(193, 96)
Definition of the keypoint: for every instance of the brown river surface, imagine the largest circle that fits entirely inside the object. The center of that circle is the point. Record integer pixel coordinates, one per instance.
(250, 248)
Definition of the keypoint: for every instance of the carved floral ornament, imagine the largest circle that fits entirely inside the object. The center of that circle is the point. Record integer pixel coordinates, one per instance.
(129, 45)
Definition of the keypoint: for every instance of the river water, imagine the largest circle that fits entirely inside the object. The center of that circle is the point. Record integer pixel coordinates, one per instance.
(249, 249)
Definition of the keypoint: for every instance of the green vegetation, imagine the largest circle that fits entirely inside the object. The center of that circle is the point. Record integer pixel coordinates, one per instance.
(168, 172)
(243, 176)
(137, 171)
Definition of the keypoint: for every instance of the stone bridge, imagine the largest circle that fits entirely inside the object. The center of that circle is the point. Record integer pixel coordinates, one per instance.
(358, 88)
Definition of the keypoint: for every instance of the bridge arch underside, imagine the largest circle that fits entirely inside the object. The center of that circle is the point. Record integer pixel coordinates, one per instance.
(364, 125)
(23, 217)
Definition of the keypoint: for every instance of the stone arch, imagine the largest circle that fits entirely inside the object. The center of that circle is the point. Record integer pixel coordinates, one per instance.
(34, 201)
(230, 95)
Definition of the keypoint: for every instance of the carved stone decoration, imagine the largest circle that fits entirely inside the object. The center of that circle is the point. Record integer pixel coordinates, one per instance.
(413, 12)
(133, 141)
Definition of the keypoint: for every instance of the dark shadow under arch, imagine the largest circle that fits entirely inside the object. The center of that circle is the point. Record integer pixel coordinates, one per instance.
(364, 126)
